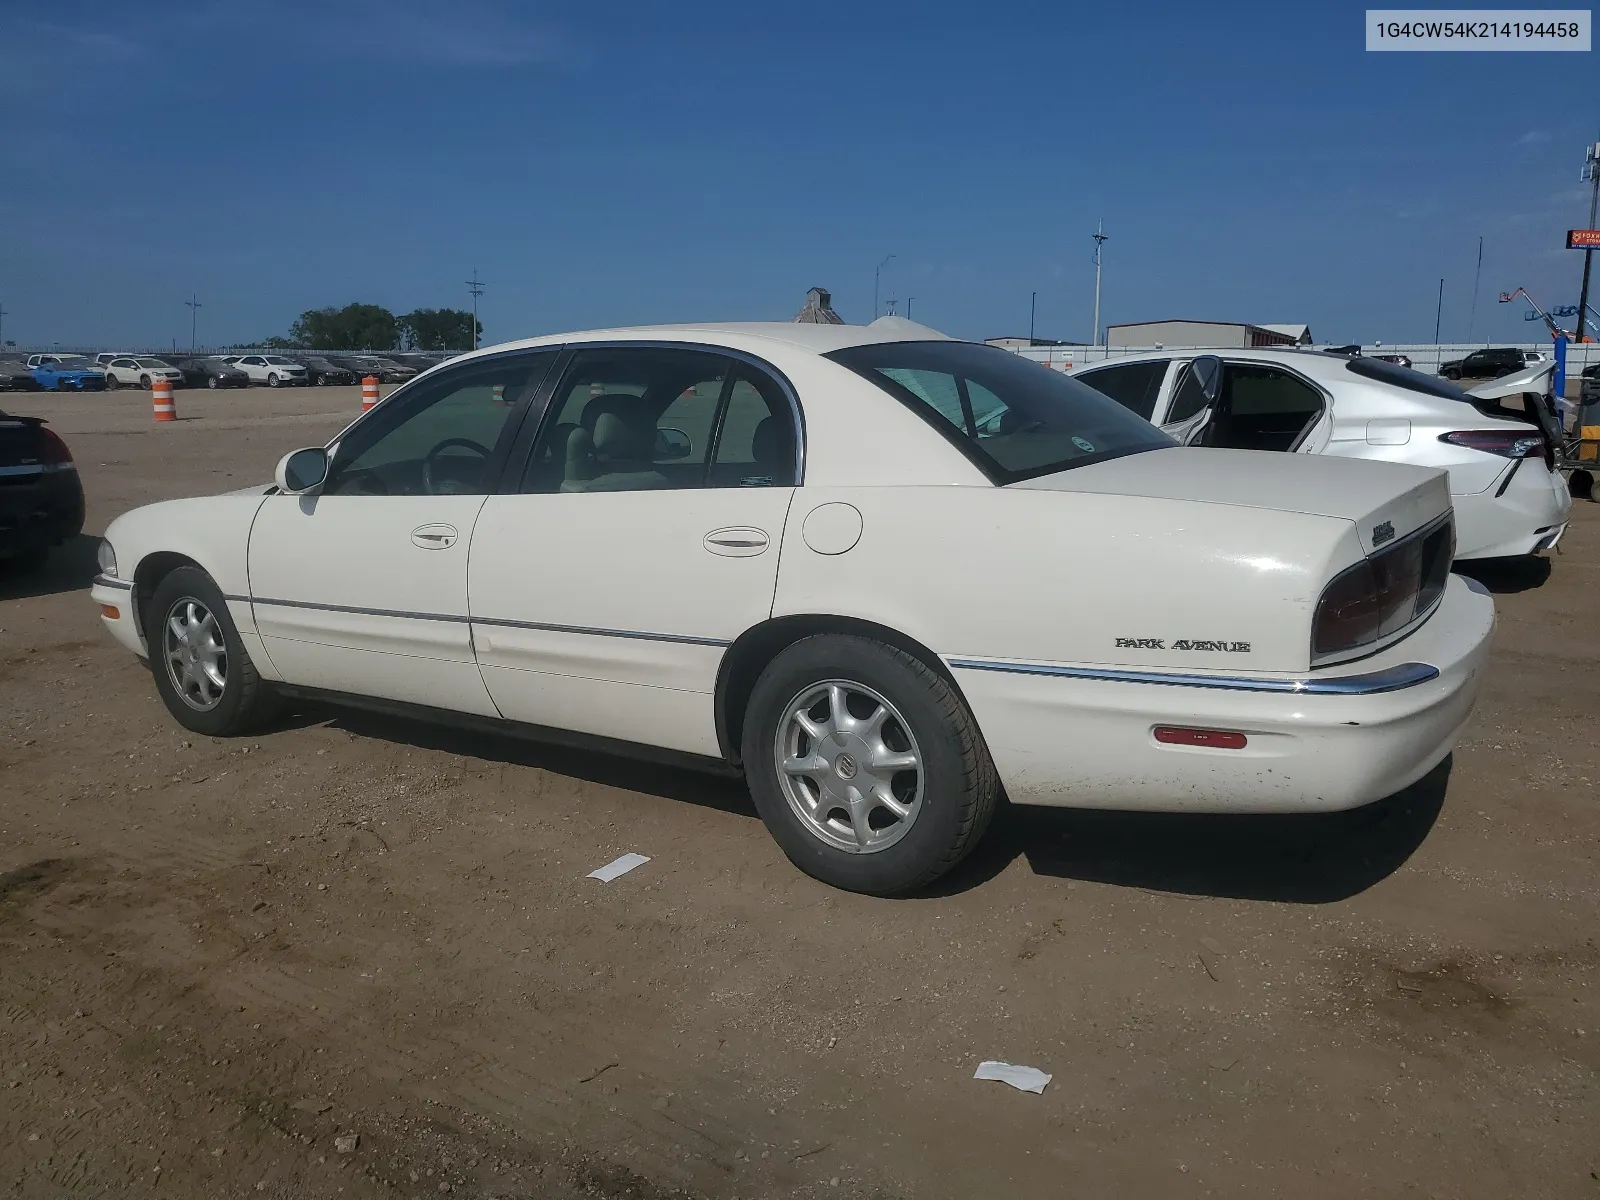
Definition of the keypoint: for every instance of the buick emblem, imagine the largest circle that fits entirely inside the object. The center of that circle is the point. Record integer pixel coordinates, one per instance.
(1381, 533)
(845, 766)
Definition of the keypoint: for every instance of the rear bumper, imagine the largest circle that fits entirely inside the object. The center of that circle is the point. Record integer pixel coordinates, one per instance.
(1526, 516)
(1081, 742)
(44, 511)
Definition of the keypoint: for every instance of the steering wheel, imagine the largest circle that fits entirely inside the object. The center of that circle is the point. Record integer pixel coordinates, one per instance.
(432, 456)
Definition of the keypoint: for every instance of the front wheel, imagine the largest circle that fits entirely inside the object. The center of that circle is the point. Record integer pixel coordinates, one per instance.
(272, 379)
(213, 382)
(1449, 374)
(112, 382)
(144, 382)
(201, 668)
(866, 765)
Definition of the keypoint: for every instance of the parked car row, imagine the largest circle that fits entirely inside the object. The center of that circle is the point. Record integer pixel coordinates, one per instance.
(111, 369)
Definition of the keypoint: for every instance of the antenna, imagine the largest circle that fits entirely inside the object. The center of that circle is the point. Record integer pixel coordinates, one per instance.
(1100, 237)
(475, 286)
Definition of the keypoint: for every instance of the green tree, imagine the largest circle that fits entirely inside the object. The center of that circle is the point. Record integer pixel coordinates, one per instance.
(439, 329)
(353, 327)
(278, 343)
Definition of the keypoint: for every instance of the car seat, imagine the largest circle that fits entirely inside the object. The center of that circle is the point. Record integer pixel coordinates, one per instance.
(613, 448)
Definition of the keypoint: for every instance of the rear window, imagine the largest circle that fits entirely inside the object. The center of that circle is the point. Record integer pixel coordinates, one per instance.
(1135, 386)
(1014, 418)
(1405, 377)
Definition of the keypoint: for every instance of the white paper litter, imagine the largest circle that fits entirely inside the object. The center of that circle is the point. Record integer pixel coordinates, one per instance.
(619, 866)
(1024, 1079)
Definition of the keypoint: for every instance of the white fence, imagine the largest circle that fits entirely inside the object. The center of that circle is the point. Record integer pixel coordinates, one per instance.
(1425, 358)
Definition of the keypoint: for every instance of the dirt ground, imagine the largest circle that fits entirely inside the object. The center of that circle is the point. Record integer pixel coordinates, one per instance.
(221, 961)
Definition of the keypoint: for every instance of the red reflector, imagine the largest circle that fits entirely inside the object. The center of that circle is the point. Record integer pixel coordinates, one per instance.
(1216, 739)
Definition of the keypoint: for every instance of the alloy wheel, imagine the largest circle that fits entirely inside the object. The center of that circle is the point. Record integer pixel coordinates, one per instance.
(196, 654)
(849, 766)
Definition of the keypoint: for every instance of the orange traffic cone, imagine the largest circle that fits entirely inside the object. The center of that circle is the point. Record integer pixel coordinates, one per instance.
(369, 392)
(161, 396)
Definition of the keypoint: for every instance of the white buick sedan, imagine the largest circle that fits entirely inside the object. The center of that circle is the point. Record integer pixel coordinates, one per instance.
(798, 552)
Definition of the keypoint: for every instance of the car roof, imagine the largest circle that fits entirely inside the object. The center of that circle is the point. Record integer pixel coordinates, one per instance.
(818, 339)
(1318, 364)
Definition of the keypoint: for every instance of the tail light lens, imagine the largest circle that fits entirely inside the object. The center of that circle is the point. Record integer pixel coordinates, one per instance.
(1379, 597)
(52, 449)
(1507, 443)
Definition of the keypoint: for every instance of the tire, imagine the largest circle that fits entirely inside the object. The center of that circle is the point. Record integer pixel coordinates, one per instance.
(1449, 374)
(144, 382)
(272, 379)
(213, 382)
(112, 382)
(951, 794)
(246, 701)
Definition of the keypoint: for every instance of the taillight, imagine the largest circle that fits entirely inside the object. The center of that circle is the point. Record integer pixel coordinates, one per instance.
(1508, 443)
(54, 449)
(1381, 595)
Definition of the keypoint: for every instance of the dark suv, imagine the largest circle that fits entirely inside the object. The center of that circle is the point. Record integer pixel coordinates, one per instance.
(1488, 364)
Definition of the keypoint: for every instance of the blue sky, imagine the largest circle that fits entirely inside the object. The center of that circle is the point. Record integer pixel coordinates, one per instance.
(602, 162)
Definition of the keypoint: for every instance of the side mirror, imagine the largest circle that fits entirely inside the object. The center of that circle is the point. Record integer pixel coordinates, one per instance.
(1207, 371)
(672, 444)
(301, 470)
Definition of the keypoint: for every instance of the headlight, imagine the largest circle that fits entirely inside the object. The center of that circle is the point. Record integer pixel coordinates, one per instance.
(107, 558)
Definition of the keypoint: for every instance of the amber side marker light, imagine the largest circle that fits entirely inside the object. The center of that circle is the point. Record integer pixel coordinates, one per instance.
(111, 611)
(1215, 739)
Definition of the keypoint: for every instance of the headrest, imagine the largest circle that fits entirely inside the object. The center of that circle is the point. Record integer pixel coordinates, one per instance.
(623, 426)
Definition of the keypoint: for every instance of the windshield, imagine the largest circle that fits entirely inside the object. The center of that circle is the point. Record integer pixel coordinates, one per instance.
(1014, 418)
(277, 360)
(70, 360)
(150, 362)
(1405, 377)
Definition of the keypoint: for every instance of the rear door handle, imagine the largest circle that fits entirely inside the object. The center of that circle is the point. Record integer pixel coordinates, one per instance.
(736, 542)
(434, 537)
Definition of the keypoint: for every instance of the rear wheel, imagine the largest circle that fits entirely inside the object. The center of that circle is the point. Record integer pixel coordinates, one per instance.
(202, 670)
(866, 765)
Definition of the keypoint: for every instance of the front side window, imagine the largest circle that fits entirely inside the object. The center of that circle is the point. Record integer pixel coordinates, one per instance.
(1013, 418)
(440, 437)
(631, 419)
(1135, 386)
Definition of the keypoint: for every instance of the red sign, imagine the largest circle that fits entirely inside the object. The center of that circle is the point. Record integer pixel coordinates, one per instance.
(1583, 239)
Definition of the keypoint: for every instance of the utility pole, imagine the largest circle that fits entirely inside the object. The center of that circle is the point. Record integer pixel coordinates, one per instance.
(1033, 307)
(875, 276)
(1438, 313)
(1099, 240)
(1591, 171)
(475, 286)
(193, 305)
(3, 315)
(1472, 321)
(909, 299)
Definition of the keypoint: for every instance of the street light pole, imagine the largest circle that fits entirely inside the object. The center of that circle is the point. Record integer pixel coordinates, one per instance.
(875, 276)
(2, 326)
(1099, 240)
(1033, 307)
(909, 299)
(1591, 168)
(193, 305)
(1438, 313)
(1472, 321)
(475, 286)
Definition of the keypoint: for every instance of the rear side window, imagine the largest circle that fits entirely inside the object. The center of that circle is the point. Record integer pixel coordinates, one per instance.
(1135, 386)
(1013, 418)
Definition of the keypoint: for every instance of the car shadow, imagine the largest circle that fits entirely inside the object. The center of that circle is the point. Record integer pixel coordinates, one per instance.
(1505, 576)
(705, 788)
(71, 567)
(1316, 858)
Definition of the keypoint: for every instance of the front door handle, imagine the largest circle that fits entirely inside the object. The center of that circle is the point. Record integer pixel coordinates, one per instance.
(737, 542)
(434, 537)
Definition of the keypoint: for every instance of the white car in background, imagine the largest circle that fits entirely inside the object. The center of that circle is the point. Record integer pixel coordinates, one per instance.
(274, 370)
(1509, 499)
(140, 372)
(790, 550)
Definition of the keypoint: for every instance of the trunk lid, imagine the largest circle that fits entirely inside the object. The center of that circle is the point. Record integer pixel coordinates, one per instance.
(1384, 500)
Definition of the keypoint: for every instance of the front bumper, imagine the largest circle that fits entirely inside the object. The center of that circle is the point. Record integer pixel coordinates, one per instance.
(115, 596)
(1075, 742)
(40, 510)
